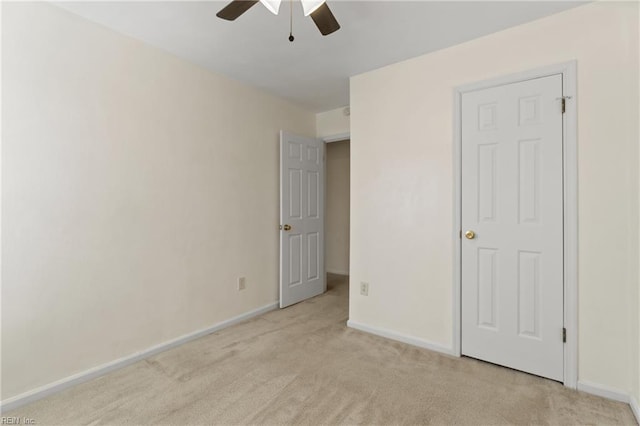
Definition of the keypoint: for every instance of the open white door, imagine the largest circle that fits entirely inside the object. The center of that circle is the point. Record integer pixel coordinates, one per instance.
(302, 272)
(512, 224)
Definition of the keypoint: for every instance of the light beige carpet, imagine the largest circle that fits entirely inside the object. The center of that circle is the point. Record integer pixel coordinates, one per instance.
(302, 365)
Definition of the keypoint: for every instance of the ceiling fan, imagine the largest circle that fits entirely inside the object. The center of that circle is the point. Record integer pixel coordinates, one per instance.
(318, 9)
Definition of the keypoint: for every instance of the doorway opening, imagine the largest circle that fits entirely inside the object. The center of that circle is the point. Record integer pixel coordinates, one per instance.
(337, 200)
(305, 190)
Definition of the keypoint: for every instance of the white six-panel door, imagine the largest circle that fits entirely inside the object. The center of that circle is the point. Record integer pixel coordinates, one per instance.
(512, 268)
(302, 272)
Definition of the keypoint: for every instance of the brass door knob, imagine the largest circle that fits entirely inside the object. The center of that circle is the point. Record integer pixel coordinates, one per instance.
(287, 227)
(470, 235)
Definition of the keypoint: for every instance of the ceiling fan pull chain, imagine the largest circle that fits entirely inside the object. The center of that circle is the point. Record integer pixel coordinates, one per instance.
(291, 37)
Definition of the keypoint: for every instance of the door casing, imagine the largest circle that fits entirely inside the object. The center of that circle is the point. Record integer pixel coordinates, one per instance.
(570, 205)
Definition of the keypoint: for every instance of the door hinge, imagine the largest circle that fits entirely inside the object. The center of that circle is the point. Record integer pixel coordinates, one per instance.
(563, 101)
(564, 335)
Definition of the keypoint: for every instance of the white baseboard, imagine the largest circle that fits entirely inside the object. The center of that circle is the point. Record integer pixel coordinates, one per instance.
(611, 393)
(603, 391)
(100, 370)
(338, 272)
(635, 408)
(415, 341)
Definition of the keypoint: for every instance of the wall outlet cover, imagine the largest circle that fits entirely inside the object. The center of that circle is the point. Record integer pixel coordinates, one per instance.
(364, 289)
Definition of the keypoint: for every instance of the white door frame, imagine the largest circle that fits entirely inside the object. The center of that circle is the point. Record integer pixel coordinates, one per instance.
(570, 207)
(339, 137)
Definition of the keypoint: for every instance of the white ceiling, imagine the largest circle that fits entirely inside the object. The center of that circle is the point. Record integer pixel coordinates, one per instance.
(313, 71)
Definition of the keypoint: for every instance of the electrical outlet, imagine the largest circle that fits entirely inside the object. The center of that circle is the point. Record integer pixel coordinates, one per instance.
(364, 289)
(242, 283)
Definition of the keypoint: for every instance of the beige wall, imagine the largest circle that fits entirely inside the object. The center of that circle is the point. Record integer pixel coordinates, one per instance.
(337, 208)
(333, 122)
(136, 189)
(401, 180)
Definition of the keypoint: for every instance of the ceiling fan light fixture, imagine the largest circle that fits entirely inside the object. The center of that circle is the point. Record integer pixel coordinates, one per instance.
(317, 9)
(272, 5)
(310, 6)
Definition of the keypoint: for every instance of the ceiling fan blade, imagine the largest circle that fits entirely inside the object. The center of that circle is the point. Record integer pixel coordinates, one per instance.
(236, 8)
(324, 19)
